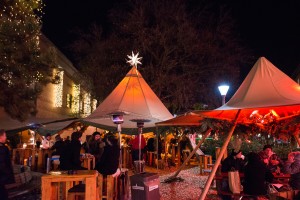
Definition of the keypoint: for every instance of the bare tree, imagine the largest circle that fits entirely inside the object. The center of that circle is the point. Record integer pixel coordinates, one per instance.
(186, 51)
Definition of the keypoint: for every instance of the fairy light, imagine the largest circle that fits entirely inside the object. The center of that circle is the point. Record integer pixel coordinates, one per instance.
(87, 104)
(76, 98)
(22, 21)
(58, 91)
(94, 104)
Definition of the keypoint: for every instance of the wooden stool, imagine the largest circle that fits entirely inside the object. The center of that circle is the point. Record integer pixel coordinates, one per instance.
(204, 161)
(76, 192)
(107, 187)
(150, 156)
(186, 153)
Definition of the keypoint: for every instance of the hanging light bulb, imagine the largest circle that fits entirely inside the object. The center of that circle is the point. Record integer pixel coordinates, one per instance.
(256, 117)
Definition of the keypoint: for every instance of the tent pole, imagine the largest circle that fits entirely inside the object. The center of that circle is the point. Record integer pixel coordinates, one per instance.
(156, 147)
(191, 154)
(216, 165)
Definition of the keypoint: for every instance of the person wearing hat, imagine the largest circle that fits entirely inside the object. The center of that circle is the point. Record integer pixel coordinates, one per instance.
(234, 162)
(271, 160)
(95, 146)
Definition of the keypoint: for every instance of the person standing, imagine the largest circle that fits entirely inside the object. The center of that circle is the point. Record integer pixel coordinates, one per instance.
(6, 171)
(109, 161)
(70, 156)
(58, 146)
(95, 146)
(135, 147)
(47, 143)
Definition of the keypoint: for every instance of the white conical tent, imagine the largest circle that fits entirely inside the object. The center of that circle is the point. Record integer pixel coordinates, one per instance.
(265, 88)
(135, 98)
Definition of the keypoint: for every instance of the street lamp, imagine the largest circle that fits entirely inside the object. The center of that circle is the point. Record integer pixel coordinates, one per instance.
(223, 90)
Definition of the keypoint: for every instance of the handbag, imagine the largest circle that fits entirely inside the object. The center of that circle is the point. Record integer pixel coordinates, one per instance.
(234, 182)
(271, 189)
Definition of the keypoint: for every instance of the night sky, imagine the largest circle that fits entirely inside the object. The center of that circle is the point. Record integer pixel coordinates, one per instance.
(268, 28)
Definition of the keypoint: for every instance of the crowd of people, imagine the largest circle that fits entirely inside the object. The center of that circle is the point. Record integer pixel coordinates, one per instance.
(259, 169)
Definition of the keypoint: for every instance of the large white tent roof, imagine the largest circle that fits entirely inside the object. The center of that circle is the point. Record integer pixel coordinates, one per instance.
(133, 97)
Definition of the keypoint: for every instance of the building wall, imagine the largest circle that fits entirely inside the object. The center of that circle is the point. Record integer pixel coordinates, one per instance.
(46, 102)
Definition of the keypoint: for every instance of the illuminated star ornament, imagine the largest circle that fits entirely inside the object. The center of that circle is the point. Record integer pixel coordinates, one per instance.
(134, 60)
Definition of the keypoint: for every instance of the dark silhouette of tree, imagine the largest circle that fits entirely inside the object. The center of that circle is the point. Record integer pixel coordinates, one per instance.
(24, 69)
(187, 50)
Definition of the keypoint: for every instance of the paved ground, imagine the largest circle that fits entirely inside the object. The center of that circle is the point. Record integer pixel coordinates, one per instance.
(188, 189)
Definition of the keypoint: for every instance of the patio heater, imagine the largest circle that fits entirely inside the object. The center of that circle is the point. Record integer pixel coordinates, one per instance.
(118, 119)
(223, 90)
(140, 164)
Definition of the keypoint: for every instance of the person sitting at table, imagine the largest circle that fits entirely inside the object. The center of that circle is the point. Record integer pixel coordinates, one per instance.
(47, 143)
(109, 161)
(70, 156)
(292, 166)
(234, 162)
(256, 176)
(271, 160)
(95, 146)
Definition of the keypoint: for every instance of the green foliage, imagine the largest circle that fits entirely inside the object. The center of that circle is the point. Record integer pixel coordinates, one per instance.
(24, 68)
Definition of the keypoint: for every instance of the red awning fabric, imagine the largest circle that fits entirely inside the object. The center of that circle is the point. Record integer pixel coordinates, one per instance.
(188, 119)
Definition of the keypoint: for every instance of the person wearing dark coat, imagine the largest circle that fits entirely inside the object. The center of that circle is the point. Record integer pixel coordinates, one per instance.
(70, 157)
(292, 166)
(6, 171)
(256, 176)
(109, 161)
(150, 144)
(58, 146)
(95, 146)
(234, 162)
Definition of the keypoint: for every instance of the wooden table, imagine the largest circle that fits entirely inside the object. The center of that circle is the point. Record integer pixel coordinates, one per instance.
(50, 183)
(284, 178)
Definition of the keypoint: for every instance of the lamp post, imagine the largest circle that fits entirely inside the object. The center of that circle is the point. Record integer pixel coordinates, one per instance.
(223, 90)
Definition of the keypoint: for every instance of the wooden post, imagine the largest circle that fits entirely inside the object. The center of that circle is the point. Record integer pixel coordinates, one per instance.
(192, 153)
(224, 147)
